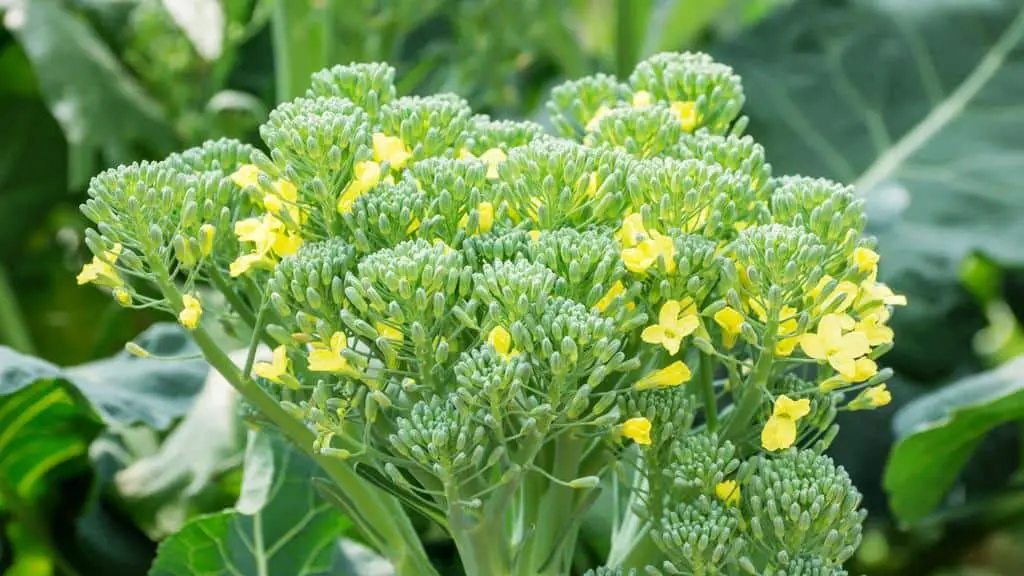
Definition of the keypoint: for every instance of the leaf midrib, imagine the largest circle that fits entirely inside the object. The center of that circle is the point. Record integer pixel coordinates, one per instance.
(946, 111)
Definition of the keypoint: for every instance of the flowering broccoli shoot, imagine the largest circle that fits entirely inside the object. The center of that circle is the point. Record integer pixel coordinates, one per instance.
(490, 325)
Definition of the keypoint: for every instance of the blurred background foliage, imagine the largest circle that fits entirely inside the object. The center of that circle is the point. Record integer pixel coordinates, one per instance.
(916, 102)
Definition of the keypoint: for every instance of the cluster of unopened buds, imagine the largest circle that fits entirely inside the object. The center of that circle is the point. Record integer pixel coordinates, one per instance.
(496, 323)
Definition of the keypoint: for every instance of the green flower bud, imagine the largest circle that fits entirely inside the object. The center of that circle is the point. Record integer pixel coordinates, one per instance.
(699, 464)
(390, 214)
(440, 438)
(429, 126)
(305, 280)
(702, 537)
(575, 103)
(802, 503)
(734, 153)
(828, 209)
(486, 134)
(369, 85)
(588, 263)
(318, 139)
(769, 250)
(695, 196)
(505, 245)
(517, 286)
(643, 132)
(712, 89)
(556, 183)
(807, 566)
(224, 155)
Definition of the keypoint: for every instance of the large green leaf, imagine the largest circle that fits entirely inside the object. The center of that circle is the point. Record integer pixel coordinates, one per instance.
(938, 432)
(99, 105)
(917, 103)
(123, 389)
(286, 529)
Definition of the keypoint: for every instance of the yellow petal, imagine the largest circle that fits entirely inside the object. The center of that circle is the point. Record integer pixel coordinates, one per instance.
(638, 430)
(325, 360)
(501, 340)
(246, 175)
(687, 325)
(864, 368)
(865, 259)
(778, 433)
(653, 334)
(669, 314)
(728, 492)
(613, 292)
(845, 365)
(813, 346)
(792, 409)
(674, 374)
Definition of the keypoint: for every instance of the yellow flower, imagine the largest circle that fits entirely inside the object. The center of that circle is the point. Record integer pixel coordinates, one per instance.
(534, 235)
(244, 263)
(865, 259)
(878, 396)
(638, 430)
(831, 345)
(676, 321)
(366, 175)
(872, 326)
(687, 114)
(731, 321)
(728, 492)
(485, 218)
(863, 368)
(284, 197)
(275, 369)
(327, 357)
(389, 332)
(616, 290)
(874, 397)
(596, 119)
(493, 157)
(674, 374)
(246, 175)
(779, 432)
(286, 244)
(101, 270)
(501, 340)
(878, 292)
(642, 99)
(390, 149)
(632, 231)
(641, 257)
(191, 313)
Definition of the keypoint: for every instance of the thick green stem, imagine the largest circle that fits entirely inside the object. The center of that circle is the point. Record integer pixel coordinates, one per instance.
(13, 328)
(707, 389)
(483, 547)
(401, 543)
(556, 508)
(751, 398)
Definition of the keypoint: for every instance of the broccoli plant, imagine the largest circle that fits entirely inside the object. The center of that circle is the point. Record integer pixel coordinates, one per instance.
(490, 324)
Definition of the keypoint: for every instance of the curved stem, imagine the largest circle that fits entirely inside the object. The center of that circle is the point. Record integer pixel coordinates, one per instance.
(402, 545)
